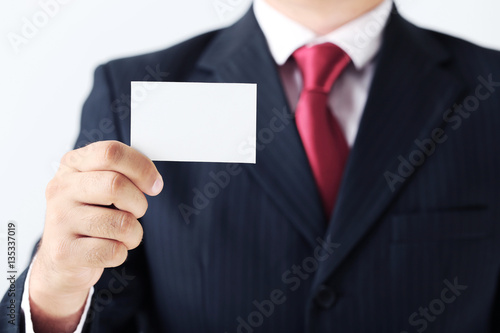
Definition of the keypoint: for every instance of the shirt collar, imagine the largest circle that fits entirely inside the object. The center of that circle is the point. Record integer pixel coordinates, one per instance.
(360, 38)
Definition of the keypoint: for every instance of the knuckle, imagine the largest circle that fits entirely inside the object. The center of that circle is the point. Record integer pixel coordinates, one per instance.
(53, 188)
(71, 158)
(67, 158)
(99, 256)
(140, 204)
(94, 258)
(125, 225)
(143, 207)
(97, 226)
(118, 254)
(116, 184)
(116, 226)
(112, 152)
(137, 237)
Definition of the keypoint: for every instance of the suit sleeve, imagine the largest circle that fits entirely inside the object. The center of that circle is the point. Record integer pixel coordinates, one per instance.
(105, 114)
(121, 300)
(13, 321)
(495, 315)
(25, 306)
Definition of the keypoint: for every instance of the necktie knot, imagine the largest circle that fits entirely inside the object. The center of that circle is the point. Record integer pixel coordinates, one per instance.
(320, 65)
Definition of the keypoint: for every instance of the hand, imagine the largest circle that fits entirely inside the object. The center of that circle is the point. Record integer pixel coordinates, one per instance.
(93, 204)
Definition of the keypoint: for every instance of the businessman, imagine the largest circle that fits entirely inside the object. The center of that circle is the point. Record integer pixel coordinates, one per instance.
(374, 205)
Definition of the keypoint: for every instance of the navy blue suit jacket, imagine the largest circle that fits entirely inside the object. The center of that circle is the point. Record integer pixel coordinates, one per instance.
(413, 244)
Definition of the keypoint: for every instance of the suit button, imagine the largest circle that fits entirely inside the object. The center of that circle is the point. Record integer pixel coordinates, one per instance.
(325, 297)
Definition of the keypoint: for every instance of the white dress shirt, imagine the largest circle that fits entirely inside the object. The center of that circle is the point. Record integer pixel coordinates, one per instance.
(360, 39)
(25, 305)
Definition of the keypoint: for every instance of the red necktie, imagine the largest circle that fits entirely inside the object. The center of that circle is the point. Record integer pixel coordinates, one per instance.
(321, 135)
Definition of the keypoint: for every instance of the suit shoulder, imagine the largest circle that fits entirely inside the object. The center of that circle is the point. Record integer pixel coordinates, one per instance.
(468, 54)
(464, 45)
(172, 63)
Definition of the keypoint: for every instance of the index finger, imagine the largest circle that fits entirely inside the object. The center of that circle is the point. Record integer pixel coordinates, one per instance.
(118, 157)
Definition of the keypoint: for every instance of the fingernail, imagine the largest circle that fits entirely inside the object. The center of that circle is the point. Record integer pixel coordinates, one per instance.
(158, 185)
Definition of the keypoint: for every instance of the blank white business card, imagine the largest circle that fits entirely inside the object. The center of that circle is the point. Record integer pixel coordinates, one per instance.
(194, 122)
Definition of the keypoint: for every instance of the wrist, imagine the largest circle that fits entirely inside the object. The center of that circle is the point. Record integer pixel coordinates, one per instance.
(55, 304)
(52, 293)
(56, 314)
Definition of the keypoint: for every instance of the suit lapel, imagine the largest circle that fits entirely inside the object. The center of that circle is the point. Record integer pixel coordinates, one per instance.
(411, 90)
(240, 54)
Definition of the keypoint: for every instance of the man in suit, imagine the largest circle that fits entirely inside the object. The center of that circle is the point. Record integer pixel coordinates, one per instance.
(409, 243)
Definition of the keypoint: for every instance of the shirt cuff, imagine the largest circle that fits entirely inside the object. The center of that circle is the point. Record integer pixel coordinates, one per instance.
(25, 306)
